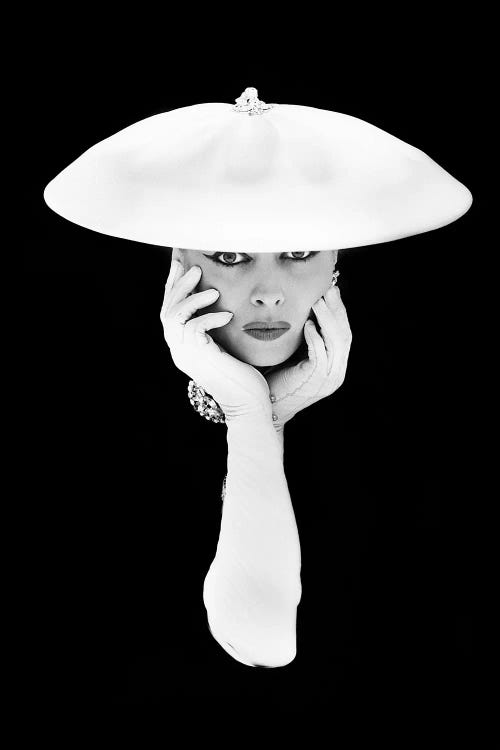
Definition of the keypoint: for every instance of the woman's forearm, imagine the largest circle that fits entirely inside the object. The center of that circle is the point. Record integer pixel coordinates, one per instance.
(253, 586)
(258, 523)
(281, 437)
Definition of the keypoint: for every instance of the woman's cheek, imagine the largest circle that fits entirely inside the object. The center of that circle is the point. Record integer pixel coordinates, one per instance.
(216, 306)
(224, 303)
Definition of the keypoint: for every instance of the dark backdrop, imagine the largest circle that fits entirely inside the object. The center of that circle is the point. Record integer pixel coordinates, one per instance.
(124, 478)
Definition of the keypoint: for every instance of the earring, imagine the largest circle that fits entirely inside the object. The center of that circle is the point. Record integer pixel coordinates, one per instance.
(335, 276)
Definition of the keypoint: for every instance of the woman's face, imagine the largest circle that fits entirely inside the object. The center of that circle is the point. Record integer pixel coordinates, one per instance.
(263, 287)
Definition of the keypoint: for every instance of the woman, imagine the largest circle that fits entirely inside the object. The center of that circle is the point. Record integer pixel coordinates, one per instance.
(253, 587)
(267, 179)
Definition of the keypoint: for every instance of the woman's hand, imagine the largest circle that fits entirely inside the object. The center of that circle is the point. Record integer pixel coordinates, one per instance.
(238, 388)
(296, 387)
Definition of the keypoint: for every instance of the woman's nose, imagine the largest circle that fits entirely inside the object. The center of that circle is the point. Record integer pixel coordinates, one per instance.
(268, 298)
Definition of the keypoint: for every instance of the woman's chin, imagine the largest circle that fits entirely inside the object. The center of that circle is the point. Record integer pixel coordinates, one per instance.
(261, 353)
(267, 358)
(263, 362)
(260, 361)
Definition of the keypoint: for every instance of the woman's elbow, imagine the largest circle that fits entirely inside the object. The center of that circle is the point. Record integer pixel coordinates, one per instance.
(279, 657)
(273, 650)
(260, 634)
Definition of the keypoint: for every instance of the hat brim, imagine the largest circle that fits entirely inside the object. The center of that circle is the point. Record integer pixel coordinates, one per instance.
(295, 178)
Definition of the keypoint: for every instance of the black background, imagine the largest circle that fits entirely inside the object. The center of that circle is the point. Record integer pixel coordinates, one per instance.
(123, 478)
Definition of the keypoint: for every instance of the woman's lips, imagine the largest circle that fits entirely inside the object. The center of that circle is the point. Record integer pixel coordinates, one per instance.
(266, 334)
(266, 324)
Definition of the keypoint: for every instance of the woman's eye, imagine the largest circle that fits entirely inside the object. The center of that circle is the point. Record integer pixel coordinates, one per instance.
(229, 259)
(302, 252)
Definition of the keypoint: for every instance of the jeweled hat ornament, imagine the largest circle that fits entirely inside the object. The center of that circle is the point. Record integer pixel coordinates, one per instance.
(258, 178)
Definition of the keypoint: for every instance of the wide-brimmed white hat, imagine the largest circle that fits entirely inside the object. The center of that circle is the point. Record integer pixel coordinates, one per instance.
(256, 177)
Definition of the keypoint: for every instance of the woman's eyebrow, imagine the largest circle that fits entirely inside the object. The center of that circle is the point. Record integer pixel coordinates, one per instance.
(210, 253)
(214, 252)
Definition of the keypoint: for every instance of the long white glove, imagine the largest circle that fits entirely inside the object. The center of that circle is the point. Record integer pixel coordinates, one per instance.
(296, 387)
(238, 388)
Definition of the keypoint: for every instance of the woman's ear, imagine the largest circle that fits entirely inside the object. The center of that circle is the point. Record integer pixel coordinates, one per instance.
(335, 254)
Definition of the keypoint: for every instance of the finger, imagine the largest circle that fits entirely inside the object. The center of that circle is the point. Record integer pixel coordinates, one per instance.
(333, 299)
(315, 346)
(186, 309)
(326, 323)
(184, 285)
(339, 312)
(337, 308)
(198, 327)
(176, 271)
(335, 324)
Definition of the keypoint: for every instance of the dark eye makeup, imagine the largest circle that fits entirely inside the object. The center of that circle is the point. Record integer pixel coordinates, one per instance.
(215, 257)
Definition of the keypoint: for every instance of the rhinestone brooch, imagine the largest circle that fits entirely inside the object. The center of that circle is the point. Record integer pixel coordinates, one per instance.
(204, 403)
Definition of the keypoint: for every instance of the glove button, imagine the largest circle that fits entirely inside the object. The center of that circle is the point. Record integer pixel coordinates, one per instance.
(273, 398)
(274, 417)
